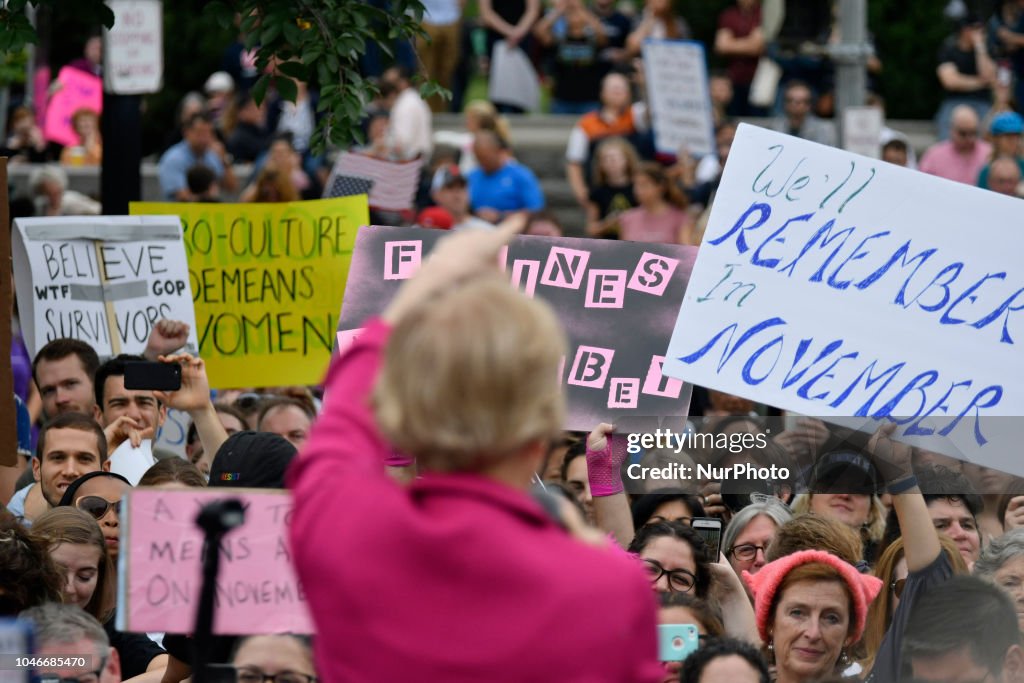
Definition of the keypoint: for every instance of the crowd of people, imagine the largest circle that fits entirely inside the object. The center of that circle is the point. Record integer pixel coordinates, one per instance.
(445, 525)
(225, 145)
(511, 548)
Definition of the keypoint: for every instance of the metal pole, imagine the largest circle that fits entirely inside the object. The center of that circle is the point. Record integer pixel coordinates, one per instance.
(851, 57)
(30, 62)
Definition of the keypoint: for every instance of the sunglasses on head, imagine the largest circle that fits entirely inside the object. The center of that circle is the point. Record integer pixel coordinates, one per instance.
(97, 506)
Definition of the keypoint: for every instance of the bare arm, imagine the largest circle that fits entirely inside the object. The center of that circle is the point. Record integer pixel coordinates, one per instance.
(635, 40)
(194, 398)
(543, 30)
(176, 671)
(920, 539)
(737, 612)
(728, 45)
(528, 18)
(986, 66)
(954, 81)
(492, 20)
(574, 174)
(611, 509)
(593, 219)
(154, 672)
(600, 34)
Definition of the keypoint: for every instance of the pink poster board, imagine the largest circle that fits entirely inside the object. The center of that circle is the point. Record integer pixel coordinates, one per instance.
(79, 90)
(160, 565)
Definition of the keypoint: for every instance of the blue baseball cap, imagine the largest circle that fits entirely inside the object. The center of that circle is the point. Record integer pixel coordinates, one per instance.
(1007, 123)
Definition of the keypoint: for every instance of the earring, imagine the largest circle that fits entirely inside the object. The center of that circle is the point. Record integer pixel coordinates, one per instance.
(844, 658)
(771, 652)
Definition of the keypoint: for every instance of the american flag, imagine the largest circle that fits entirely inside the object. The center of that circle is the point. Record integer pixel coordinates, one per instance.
(347, 186)
(394, 183)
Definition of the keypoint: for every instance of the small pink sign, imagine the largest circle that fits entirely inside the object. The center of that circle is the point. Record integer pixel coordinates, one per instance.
(78, 90)
(257, 590)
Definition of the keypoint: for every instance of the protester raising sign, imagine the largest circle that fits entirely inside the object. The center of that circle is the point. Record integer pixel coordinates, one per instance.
(102, 279)
(267, 281)
(835, 285)
(76, 90)
(680, 100)
(617, 301)
(160, 565)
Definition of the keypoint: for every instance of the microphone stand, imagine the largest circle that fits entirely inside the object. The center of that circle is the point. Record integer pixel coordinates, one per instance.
(215, 519)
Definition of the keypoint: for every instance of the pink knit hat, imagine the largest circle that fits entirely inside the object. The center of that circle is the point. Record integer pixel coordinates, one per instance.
(765, 583)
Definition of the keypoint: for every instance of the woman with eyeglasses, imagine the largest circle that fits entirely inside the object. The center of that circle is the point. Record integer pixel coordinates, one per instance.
(99, 494)
(674, 556)
(892, 570)
(274, 659)
(79, 547)
(749, 533)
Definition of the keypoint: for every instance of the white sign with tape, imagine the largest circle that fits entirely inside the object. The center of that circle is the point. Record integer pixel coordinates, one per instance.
(105, 280)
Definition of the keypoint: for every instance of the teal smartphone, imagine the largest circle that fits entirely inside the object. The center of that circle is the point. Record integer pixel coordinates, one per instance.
(676, 642)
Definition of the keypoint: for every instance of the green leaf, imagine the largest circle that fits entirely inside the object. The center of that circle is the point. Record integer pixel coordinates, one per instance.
(259, 90)
(292, 33)
(271, 30)
(296, 70)
(286, 88)
(430, 88)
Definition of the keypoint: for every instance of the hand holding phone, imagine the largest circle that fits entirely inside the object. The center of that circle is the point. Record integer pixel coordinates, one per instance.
(676, 642)
(710, 529)
(147, 375)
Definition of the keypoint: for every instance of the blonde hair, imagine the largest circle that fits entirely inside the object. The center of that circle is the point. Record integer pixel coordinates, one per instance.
(872, 531)
(632, 159)
(488, 118)
(71, 525)
(471, 378)
(808, 531)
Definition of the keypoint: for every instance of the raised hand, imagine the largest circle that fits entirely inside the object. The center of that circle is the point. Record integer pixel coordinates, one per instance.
(166, 337)
(892, 458)
(195, 387)
(603, 462)
(455, 259)
(126, 428)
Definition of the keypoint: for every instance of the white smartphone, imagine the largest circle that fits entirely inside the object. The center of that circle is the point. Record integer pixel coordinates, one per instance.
(710, 529)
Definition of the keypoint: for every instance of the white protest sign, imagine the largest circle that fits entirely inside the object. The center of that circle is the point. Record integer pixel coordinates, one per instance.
(102, 279)
(173, 433)
(835, 285)
(133, 48)
(130, 462)
(862, 131)
(679, 97)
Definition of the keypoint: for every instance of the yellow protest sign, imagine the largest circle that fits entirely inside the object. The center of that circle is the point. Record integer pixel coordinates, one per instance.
(267, 283)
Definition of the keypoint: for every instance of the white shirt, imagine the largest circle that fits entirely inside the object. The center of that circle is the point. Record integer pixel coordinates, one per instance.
(411, 125)
(578, 148)
(441, 12)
